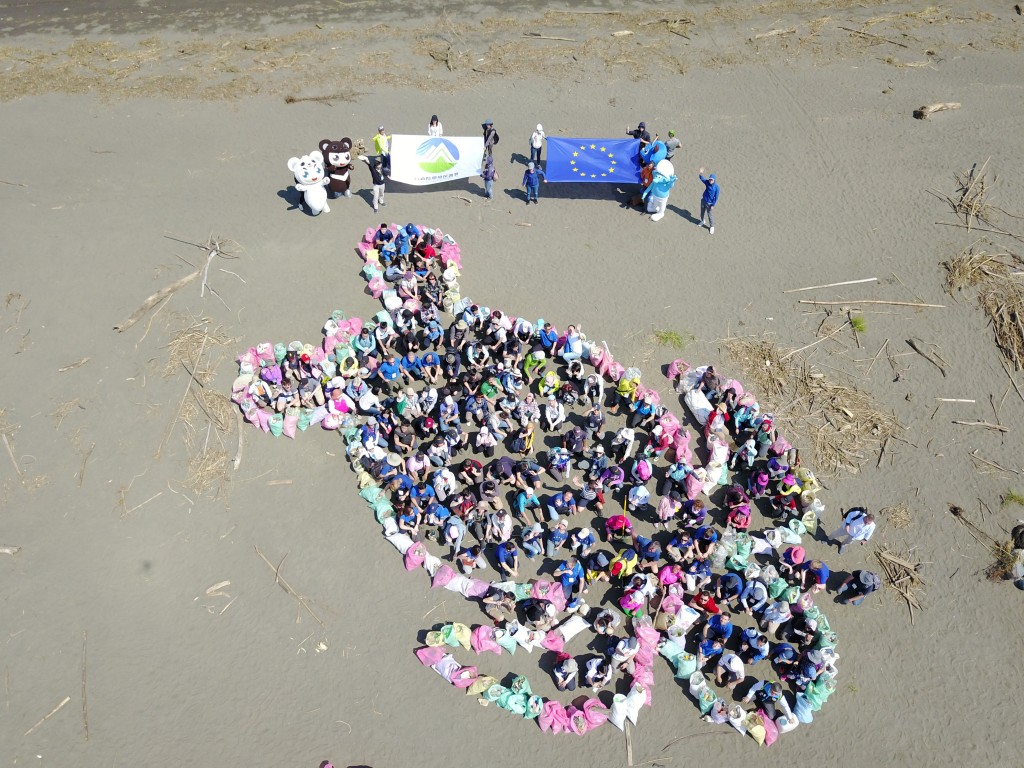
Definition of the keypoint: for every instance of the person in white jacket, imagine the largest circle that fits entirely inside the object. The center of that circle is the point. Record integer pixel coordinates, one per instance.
(537, 143)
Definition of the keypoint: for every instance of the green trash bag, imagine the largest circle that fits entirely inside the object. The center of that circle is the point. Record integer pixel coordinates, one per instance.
(495, 692)
(371, 493)
(506, 641)
(305, 415)
(350, 435)
(515, 703)
(813, 613)
(777, 587)
(686, 665)
(670, 651)
(523, 591)
(277, 424)
(448, 635)
(534, 706)
(280, 350)
(382, 509)
(823, 625)
(740, 558)
(791, 595)
(826, 640)
(815, 699)
(707, 700)
(338, 316)
(521, 685)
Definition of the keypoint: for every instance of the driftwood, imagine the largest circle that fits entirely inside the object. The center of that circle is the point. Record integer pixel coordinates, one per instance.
(869, 36)
(873, 301)
(918, 346)
(832, 285)
(922, 113)
(774, 33)
(52, 712)
(9, 550)
(985, 424)
(539, 36)
(72, 366)
(155, 299)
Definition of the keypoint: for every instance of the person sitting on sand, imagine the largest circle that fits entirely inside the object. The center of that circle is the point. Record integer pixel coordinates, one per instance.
(606, 622)
(565, 672)
(730, 671)
(499, 605)
(599, 673)
(857, 586)
(815, 573)
(540, 614)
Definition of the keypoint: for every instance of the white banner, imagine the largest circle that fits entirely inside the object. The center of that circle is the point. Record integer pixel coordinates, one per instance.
(420, 160)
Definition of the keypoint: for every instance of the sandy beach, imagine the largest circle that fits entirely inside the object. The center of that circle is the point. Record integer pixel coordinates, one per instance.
(146, 127)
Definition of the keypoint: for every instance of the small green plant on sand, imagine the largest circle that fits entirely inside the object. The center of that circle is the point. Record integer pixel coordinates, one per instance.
(860, 325)
(1012, 497)
(673, 339)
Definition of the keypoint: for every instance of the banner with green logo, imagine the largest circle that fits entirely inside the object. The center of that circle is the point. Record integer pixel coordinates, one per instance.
(420, 160)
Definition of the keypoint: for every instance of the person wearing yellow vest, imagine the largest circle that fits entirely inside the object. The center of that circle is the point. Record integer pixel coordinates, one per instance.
(382, 147)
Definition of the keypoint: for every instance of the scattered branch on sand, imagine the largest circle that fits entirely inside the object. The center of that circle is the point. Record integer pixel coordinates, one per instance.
(898, 515)
(813, 343)
(985, 424)
(902, 575)
(919, 346)
(840, 423)
(85, 460)
(155, 299)
(869, 36)
(279, 579)
(9, 550)
(539, 36)
(72, 367)
(833, 285)
(1002, 551)
(921, 113)
(52, 712)
(985, 462)
(970, 198)
(10, 452)
(774, 33)
(872, 301)
(188, 388)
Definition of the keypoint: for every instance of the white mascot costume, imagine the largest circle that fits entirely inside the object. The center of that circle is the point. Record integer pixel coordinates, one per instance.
(659, 189)
(311, 180)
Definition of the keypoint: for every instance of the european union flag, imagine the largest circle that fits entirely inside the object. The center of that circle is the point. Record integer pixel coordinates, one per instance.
(593, 160)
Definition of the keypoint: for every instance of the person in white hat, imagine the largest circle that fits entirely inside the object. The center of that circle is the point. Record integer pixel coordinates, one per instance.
(537, 143)
(531, 182)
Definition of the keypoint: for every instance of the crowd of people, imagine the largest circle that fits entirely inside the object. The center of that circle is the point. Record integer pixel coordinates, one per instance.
(499, 441)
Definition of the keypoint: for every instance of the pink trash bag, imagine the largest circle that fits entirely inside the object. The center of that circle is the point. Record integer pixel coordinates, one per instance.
(482, 639)
(368, 235)
(477, 588)
(429, 656)
(677, 368)
(615, 371)
(604, 363)
(682, 447)
(376, 287)
(465, 677)
(693, 486)
(771, 730)
(595, 712)
(265, 350)
(291, 424)
(415, 556)
(444, 575)
(554, 641)
(263, 417)
(553, 717)
(577, 721)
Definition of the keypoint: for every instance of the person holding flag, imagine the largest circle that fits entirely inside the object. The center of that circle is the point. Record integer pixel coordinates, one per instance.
(708, 200)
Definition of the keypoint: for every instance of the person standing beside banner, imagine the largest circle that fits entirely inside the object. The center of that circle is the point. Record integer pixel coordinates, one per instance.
(376, 166)
(491, 137)
(489, 174)
(435, 128)
(382, 146)
(642, 134)
(536, 143)
(531, 183)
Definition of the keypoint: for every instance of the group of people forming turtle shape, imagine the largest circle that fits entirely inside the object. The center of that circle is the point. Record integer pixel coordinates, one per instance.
(487, 440)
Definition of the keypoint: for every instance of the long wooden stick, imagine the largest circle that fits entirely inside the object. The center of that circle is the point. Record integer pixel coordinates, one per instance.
(155, 299)
(872, 37)
(53, 712)
(871, 301)
(303, 601)
(832, 285)
(808, 346)
(985, 424)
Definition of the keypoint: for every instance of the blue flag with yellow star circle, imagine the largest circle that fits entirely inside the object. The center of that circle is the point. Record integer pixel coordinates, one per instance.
(593, 160)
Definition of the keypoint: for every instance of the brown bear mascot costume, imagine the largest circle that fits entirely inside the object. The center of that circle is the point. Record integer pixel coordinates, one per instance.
(338, 161)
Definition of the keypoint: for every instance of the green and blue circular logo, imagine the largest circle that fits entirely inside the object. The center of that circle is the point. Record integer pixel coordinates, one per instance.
(437, 155)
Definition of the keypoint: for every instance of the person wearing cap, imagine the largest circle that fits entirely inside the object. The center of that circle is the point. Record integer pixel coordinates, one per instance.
(753, 646)
(382, 146)
(582, 542)
(557, 537)
(531, 182)
(708, 200)
(758, 484)
(671, 145)
(597, 564)
(525, 500)
(775, 616)
(802, 630)
(537, 143)
(730, 671)
(435, 128)
(622, 654)
(857, 586)
(808, 668)
(783, 657)
(499, 527)
(491, 137)
(857, 525)
(623, 443)
(566, 672)
(792, 558)
(540, 614)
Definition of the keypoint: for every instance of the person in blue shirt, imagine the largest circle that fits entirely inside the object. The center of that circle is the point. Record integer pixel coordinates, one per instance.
(583, 542)
(560, 504)
(525, 499)
(753, 646)
(698, 575)
(570, 574)
(766, 695)
(390, 372)
(818, 573)
(729, 587)
(412, 367)
(531, 182)
(382, 236)
(430, 364)
(708, 649)
(649, 551)
(719, 627)
(557, 537)
(548, 337)
(784, 657)
(508, 559)
(704, 540)
(422, 495)
(708, 200)
(754, 597)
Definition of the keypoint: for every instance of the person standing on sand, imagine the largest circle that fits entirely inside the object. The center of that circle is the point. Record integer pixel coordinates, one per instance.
(641, 133)
(489, 174)
(857, 525)
(531, 183)
(376, 166)
(490, 137)
(708, 200)
(435, 128)
(671, 145)
(382, 146)
(537, 143)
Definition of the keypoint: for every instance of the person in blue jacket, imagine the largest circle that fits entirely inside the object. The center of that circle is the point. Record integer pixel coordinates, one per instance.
(708, 200)
(531, 182)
